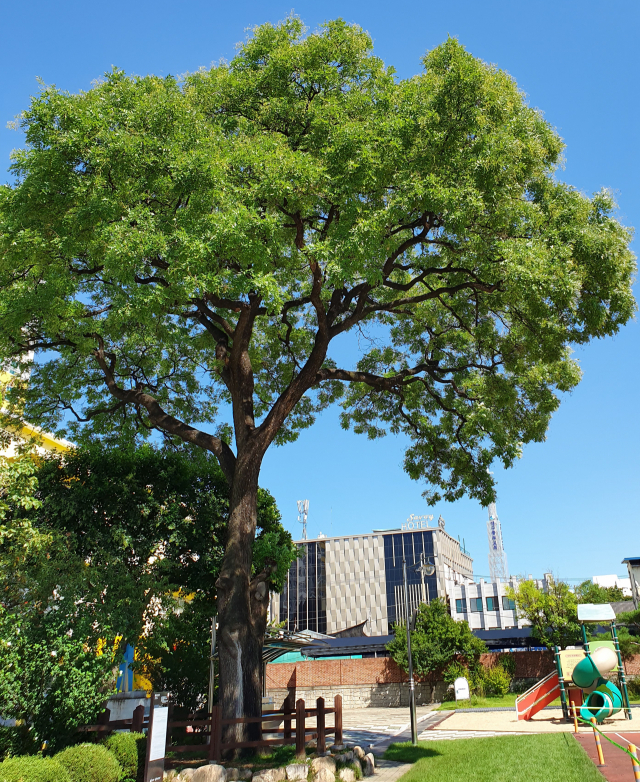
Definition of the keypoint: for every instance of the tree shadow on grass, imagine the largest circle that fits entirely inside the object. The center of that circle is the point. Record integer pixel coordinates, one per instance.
(407, 753)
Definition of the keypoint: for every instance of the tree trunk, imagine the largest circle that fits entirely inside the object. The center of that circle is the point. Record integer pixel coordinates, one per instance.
(242, 608)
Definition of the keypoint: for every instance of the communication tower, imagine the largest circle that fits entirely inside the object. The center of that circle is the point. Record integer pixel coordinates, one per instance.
(497, 557)
(303, 513)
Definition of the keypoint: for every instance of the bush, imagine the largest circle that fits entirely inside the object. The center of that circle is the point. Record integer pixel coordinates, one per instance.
(90, 763)
(508, 662)
(33, 768)
(16, 740)
(633, 686)
(124, 746)
(496, 681)
(453, 671)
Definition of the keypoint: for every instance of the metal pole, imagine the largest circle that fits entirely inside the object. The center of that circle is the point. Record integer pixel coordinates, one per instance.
(422, 566)
(412, 686)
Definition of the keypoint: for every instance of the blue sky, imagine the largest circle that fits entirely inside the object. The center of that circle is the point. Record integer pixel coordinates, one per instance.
(572, 504)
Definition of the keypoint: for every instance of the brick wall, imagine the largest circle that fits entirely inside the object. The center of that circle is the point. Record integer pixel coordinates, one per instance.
(334, 673)
(380, 682)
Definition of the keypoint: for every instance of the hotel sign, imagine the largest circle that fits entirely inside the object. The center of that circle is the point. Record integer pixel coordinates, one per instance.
(416, 522)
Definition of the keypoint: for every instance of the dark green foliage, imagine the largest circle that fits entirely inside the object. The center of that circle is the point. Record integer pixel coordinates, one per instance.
(436, 642)
(16, 740)
(90, 763)
(588, 592)
(33, 768)
(124, 747)
(95, 520)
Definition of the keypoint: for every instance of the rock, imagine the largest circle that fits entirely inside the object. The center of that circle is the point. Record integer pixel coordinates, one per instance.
(358, 753)
(324, 763)
(234, 774)
(345, 757)
(170, 775)
(270, 775)
(297, 771)
(369, 766)
(347, 775)
(337, 747)
(186, 774)
(324, 775)
(212, 772)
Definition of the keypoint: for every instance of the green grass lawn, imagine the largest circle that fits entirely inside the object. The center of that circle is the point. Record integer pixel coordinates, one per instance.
(554, 757)
(475, 702)
(508, 700)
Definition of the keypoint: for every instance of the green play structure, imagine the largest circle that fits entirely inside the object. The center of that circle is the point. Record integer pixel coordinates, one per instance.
(602, 698)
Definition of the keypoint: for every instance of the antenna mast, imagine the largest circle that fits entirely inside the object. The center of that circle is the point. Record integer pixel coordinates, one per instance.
(303, 513)
(497, 556)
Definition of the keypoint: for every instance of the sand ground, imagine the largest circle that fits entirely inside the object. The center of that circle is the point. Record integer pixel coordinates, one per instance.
(547, 721)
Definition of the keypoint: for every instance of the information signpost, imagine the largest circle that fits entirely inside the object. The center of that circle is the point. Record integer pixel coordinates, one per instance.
(156, 737)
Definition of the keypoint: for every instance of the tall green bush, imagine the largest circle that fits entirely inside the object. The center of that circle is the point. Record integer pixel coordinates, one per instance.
(90, 763)
(125, 748)
(33, 768)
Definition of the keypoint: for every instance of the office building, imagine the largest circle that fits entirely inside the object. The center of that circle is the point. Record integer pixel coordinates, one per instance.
(343, 582)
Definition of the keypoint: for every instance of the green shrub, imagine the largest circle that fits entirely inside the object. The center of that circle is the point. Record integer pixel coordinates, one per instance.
(508, 662)
(32, 768)
(496, 681)
(125, 748)
(633, 686)
(90, 763)
(16, 740)
(454, 670)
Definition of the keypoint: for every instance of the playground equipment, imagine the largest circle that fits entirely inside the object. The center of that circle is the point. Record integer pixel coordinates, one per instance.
(579, 675)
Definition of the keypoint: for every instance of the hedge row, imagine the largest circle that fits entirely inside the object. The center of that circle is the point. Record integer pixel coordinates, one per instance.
(120, 758)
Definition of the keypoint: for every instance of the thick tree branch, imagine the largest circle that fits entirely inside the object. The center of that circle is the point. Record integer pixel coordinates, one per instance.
(159, 418)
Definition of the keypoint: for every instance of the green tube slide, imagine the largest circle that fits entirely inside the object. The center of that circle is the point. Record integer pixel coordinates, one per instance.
(603, 702)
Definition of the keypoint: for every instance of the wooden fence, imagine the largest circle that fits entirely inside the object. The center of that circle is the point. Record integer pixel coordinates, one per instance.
(105, 725)
(294, 730)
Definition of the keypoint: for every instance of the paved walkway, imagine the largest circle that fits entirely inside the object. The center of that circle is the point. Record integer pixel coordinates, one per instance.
(389, 770)
(546, 721)
(375, 728)
(617, 767)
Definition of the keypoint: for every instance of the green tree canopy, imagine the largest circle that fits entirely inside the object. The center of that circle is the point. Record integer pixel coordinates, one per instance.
(588, 592)
(182, 256)
(106, 547)
(552, 614)
(436, 642)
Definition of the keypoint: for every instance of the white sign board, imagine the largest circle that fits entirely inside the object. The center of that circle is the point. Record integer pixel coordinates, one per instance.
(159, 733)
(461, 688)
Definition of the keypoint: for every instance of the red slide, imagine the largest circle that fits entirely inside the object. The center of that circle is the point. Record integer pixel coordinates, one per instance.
(537, 697)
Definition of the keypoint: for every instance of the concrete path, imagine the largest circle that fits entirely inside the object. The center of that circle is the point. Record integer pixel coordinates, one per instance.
(389, 770)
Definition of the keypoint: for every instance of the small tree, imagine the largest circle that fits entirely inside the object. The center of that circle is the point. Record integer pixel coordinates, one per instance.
(588, 592)
(183, 256)
(553, 614)
(436, 642)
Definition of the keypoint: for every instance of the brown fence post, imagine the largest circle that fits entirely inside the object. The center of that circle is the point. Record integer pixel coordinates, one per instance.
(215, 740)
(287, 722)
(300, 730)
(138, 719)
(338, 719)
(103, 721)
(321, 744)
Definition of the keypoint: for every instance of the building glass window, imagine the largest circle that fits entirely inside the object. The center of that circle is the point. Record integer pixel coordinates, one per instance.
(476, 605)
(492, 604)
(461, 607)
(412, 545)
(303, 601)
(508, 605)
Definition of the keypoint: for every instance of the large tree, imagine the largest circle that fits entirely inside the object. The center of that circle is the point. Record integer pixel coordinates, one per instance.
(176, 252)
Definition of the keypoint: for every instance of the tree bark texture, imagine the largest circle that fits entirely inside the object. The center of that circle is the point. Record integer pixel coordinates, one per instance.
(242, 608)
